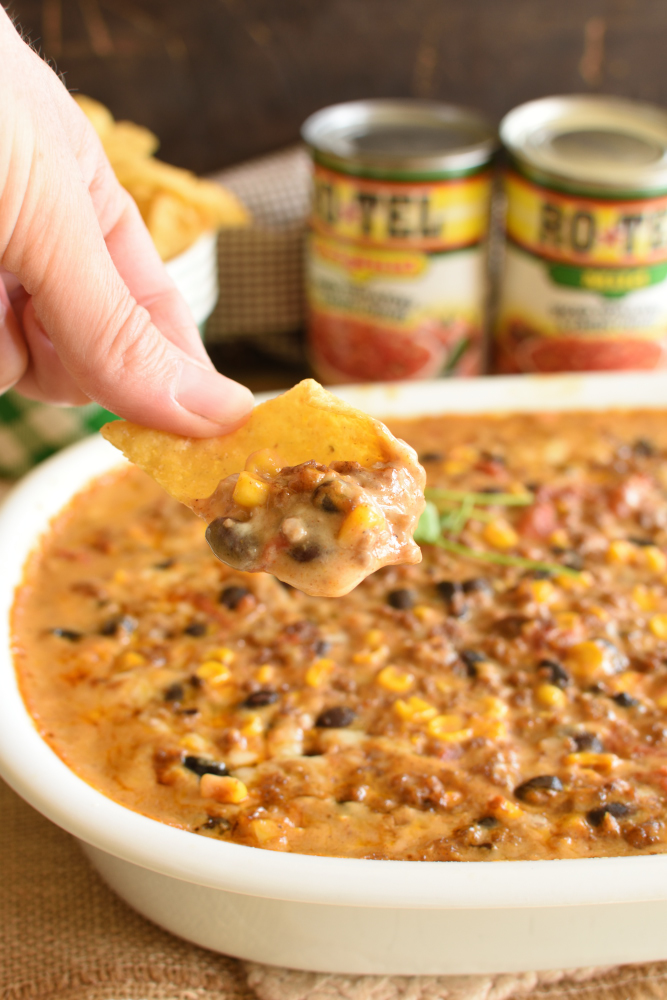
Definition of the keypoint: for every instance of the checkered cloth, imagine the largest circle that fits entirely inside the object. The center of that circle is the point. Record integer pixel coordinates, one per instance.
(261, 301)
(261, 267)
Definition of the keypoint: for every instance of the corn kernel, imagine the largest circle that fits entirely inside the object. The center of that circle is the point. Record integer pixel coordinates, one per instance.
(658, 626)
(265, 829)
(493, 707)
(551, 696)
(661, 702)
(500, 534)
(263, 463)
(460, 459)
(120, 576)
(250, 492)
(374, 638)
(542, 591)
(130, 659)
(449, 729)
(213, 672)
(573, 823)
(194, 743)
(567, 620)
(371, 657)
(253, 726)
(655, 559)
(581, 581)
(628, 681)
(644, 598)
(600, 613)
(596, 761)
(620, 551)
(559, 539)
(425, 614)
(490, 729)
(222, 788)
(361, 518)
(414, 709)
(222, 653)
(502, 808)
(265, 674)
(586, 660)
(318, 672)
(393, 679)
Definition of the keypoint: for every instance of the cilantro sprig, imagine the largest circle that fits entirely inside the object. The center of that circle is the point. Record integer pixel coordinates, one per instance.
(442, 522)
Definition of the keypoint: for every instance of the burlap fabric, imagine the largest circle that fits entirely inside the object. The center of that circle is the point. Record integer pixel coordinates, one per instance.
(66, 936)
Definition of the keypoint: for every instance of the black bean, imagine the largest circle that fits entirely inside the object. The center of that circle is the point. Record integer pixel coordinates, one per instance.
(487, 821)
(451, 591)
(322, 647)
(477, 585)
(335, 718)
(641, 541)
(644, 447)
(541, 783)
(189, 711)
(556, 674)
(569, 557)
(511, 626)
(305, 552)
(174, 692)
(588, 742)
(615, 809)
(331, 496)
(431, 456)
(540, 574)
(471, 657)
(112, 625)
(403, 599)
(216, 823)
(265, 696)
(67, 633)
(448, 589)
(200, 765)
(231, 597)
(195, 629)
(165, 564)
(232, 541)
(493, 456)
(625, 700)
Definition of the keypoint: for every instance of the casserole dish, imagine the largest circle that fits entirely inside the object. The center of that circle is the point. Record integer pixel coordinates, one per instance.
(337, 914)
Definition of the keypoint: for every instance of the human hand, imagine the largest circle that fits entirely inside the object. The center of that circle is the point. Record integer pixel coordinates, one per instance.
(87, 310)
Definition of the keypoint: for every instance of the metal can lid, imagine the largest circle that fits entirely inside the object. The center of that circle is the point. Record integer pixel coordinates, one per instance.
(385, 136)
(602, 143)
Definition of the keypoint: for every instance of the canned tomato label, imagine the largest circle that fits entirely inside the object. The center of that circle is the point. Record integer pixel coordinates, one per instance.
(585, 273)
(396, 264)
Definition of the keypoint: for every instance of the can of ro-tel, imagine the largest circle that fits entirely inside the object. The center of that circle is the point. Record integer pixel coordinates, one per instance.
(584, 281)
(396, 250)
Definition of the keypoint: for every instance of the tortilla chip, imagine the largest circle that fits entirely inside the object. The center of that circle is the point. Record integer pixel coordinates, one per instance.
(305, 423)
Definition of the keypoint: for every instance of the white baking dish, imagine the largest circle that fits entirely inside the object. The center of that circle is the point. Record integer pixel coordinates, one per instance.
(334, 914)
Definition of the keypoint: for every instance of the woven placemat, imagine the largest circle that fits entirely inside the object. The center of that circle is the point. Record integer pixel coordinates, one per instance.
(66, 936)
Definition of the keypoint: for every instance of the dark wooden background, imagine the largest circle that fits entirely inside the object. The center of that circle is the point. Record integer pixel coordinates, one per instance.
(223, 80)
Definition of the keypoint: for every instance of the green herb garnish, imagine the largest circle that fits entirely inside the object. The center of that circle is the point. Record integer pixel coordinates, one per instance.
(482, 499)
(432, 525)
(503, 559)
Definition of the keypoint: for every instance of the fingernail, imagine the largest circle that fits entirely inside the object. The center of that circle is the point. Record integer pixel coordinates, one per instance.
(212, 396)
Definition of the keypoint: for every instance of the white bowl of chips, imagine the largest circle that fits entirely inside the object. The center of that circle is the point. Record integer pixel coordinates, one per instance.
(182, 212)
(195, 274)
